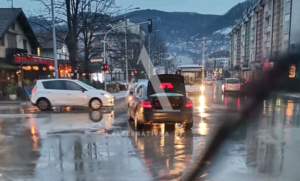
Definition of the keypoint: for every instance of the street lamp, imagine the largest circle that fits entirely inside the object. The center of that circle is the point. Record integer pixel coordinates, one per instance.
(54, 41)
(126, 58)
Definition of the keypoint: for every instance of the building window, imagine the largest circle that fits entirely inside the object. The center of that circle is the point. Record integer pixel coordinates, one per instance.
(13, 26)
(11, 40)
(1, 42)
(24, 44)
(287, 7)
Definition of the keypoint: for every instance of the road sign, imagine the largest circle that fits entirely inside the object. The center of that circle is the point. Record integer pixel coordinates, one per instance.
(97, 60)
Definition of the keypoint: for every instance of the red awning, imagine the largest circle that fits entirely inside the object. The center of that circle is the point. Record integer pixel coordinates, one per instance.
(32, 59)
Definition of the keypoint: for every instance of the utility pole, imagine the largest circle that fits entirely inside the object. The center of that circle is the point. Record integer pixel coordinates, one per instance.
(149, 55)
(54, 41)
(22, 78)
(126, 58)
(203, 57)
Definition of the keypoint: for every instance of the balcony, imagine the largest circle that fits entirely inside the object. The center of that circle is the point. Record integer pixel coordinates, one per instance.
(252, 38)
(252, 25)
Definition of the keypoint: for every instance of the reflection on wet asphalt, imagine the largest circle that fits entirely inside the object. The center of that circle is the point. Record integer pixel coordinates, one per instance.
(80, 144)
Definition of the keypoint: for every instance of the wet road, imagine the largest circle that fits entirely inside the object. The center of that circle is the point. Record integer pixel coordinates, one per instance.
(84, 145)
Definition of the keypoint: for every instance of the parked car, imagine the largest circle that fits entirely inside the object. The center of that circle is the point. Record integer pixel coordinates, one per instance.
(50, 93)
(152, 102)
(231, 85)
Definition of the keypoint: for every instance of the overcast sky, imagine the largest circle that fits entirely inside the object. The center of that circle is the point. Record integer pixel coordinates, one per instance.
(199, 6)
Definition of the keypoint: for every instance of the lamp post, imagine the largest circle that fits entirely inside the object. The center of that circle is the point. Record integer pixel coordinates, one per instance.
(22, 78)
(54, 42)
(126, 58)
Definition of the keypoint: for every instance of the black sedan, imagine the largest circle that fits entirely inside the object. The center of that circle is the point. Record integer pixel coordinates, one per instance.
(162, 100)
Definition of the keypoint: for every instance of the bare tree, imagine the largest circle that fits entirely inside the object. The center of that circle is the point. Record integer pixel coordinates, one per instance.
(158, 48)
(82, 18)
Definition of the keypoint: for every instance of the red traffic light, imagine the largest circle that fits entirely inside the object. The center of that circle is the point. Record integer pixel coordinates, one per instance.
(105, 67)
(135, 71)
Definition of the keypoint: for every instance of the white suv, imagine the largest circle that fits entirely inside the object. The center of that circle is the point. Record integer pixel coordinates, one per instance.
(67, 92)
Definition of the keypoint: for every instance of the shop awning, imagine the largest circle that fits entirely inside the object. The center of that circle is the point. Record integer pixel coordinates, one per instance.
(5, 66)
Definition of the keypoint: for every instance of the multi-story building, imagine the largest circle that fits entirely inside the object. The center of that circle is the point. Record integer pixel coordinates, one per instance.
(220, 59)
(268, 28)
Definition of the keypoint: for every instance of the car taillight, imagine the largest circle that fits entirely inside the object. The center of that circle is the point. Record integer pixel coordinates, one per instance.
(146, 104)
(239, 86)
(189, 104)
(225, 85)
(34, 89)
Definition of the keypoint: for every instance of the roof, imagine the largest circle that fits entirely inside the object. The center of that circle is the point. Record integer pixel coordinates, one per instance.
(220, 54)
(8, 16)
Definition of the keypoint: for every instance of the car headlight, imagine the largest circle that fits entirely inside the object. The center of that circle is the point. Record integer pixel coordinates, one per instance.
(202, 88)
(107, 96)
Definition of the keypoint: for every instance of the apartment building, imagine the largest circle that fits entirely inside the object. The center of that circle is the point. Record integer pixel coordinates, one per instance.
(267, 29)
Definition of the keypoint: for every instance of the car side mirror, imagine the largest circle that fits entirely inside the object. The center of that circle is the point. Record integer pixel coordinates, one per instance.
(131, 93)
(82, 89)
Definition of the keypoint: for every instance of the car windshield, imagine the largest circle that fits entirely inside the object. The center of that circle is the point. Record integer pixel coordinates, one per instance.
(85, 85)
(192, 78)
(232, 81)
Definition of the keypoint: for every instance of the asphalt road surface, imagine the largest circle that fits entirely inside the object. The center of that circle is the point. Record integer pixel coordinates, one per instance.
(83, 145)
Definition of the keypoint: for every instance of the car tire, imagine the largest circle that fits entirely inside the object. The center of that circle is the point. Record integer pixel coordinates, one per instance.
(189, 126)
(43, 104)
(95, 104)
(137, 125)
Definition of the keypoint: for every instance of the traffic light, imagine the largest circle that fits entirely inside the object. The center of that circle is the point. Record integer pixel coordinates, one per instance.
(105, 67)
(135, 71)
(149, 25)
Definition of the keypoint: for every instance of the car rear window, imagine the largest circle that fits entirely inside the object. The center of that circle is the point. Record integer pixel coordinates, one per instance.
(232, 81)
(167, 84)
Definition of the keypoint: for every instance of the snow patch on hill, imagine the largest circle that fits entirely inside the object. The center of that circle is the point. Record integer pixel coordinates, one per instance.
(224, 31)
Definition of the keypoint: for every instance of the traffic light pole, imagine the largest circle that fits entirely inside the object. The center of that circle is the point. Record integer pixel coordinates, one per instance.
(149, 56)
(104, 40)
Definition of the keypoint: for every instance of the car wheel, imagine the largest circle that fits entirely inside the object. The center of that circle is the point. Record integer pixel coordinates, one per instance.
(189, 125)
(95, 104)
(43, 104)
(137, 125)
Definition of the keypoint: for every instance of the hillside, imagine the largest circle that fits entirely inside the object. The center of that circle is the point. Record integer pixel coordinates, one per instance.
(182, 25)
(175, 24)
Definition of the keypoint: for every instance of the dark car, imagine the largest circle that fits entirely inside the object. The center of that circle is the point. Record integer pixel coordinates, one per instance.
(162, 100)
